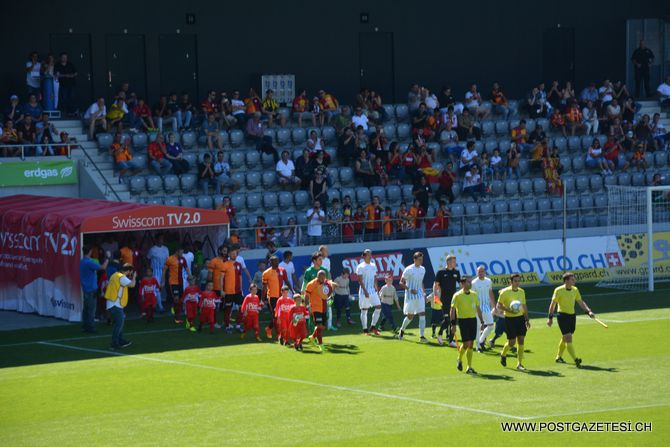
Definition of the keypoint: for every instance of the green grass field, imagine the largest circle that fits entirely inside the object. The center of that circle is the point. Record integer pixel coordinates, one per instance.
(173, 387)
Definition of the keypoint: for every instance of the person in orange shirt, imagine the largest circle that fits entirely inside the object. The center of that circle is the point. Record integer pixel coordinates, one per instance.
(402, 218)
(329, 105)
(252, 104)
(215, 272)
(300, 105)
(416, 215)
(573, 116)
(174, 286)
(123, 159)
(388, 222)
(274, 279)
(232, 288)
(127, 253)
(317, 293)
(374, 216)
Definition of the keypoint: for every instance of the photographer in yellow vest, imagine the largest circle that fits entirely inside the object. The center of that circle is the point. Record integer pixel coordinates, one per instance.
(117, 298)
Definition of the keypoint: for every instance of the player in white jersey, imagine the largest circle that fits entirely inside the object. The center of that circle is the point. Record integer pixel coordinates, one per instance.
(483, 286)
(415, 298)
(157, 256)
(368, 292)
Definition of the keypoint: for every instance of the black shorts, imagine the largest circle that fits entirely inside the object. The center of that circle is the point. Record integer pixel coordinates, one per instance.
(320, 318)
(175, 292)
(235, 298)
(437, 317)
(567, 323)
(467, 328)
(272, 303)
(515, 327)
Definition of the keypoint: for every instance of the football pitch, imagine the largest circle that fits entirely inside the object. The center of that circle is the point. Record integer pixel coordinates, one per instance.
(174, 387)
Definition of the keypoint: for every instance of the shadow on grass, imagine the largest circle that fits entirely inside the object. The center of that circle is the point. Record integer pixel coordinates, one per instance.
(541, 373)
(598, 368)
(503, 377)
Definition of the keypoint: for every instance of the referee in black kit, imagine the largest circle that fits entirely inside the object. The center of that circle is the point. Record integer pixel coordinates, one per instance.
(447, 281)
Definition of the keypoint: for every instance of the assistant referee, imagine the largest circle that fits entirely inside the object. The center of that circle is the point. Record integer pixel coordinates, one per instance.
(565, 297)
(465, 306)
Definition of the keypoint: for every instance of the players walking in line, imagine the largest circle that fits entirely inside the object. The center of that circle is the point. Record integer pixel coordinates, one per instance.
(191, 298)
(251, 306)
(512, 300)
(274, 279)
(447, 281)
(298, 314)
(368, 292)
(208, 301)
(465, 307)
(415, 299)
(483, 286)
(282, 315)
(564, 298)
(317, 293)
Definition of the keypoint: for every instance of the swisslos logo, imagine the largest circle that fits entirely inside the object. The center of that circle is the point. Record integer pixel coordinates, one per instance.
(48, 173)
(62, 303)
(386, 263)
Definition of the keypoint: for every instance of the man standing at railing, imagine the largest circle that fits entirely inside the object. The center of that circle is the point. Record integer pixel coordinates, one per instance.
(315, 218)
(374, 217)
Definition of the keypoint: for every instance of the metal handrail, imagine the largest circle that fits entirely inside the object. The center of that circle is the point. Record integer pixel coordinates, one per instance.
(23, 147)
(108, 186)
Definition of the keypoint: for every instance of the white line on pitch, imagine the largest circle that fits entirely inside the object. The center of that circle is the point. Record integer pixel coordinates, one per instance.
(604, 410)
(90, 337)
(609, 320)
(287, 379)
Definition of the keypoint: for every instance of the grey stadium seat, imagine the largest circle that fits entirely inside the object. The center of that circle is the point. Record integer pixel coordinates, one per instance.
(328, 134)
(346, 175)
(105, 140)
(205, 202)
(515, 207)
(380, 192)
(488, 127)
(585, 201)
(224, 136)
(236, 137)
(590, 220)
(137, 184)
(504, 146)
(407, 194)
(217, 200)
(530, 125)
(502, 127)
(566, 161)
(486, 209)
(273, 220)
(348, 192)
(479, 147)
(286, 200)
(574, 143)
(270, 201)
(500, 206)
(140, 160)
(403, 131)
(140, 140)
(523, 166)
(401, 112)
(170, 183)
(393, 194)
(577, 163)
(539, 186)
(298, 135)
(525, 187)
(334, 193)
(284, 137)
(363, 196)
(253, 158)
(514, 123)
(529, 205)
(511, 187)
(561, 143)
(253, 179)
(171, 201)
(238, 200)
(532, 223)
(268, 132)
(518, 225)
(610, 180)
(637, 179)
(188, 182)
(237, 159)
(267, 161)
(191, 158)
(254, 202)
(544, 205)
(596, 182)
(189, 139)
(488, 228)
(623, 179)
(660, 159)
(543, 123)
(582, 183)
(155, 201)
(390, 111)
(187, 201)
(472, 228)
(238, 177)
(389, 130)
(497, 188)
(154, 184)
(301, 199)
(471, 209)
(600, 200)
(490, 145)
(457, 210)
(557, 205)
(269, 179)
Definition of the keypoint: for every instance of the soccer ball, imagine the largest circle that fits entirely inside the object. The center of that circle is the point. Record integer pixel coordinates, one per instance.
(515, 306)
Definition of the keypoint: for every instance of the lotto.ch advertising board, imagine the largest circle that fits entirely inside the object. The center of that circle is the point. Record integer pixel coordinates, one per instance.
(40, 245)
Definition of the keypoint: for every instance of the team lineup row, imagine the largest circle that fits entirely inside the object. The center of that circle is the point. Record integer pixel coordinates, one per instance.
(471, 308)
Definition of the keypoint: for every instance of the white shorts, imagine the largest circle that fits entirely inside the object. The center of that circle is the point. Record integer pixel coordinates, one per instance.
(488, 318)
(415, 306)
(366, 303)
